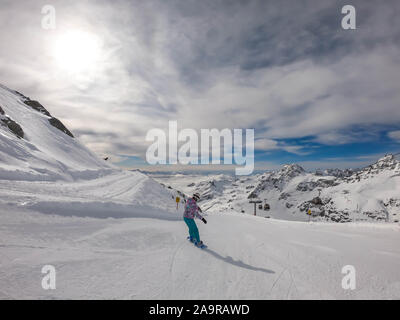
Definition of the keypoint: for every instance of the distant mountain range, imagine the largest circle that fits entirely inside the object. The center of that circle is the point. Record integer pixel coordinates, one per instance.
(369, 193)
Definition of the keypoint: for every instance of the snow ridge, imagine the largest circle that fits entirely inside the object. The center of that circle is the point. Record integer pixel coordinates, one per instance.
(35, 146)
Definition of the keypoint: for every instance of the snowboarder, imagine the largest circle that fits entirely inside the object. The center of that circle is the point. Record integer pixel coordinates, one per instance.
(192, 211)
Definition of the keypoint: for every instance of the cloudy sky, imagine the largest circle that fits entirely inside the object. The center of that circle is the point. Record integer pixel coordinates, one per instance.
(112, 70)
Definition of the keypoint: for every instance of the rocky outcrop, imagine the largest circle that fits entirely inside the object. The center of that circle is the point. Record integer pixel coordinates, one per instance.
(207, 189)
(276, 180)
(19, 132)
(13, 126)
(338, 173)
(284, 196)
(316, 201)
(324, 209)
(291, 170)
(392, 206)
(320, 183)
(37, 106)
(60, 126)
(388, 162)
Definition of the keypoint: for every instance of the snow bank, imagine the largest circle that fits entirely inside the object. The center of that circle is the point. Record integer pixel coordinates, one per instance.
(120, 194)
(102, 209)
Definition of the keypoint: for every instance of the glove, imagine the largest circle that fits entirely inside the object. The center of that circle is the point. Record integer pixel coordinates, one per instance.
(204, 220)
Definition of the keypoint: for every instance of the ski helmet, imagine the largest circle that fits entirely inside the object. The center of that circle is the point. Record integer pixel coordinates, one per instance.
(196, 196)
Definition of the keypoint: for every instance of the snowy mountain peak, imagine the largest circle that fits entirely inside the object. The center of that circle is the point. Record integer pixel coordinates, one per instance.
(386, 162)
(34, 145)
(292, 170)
(334, 195)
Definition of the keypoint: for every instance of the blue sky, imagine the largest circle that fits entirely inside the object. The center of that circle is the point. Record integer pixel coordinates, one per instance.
(314, 93)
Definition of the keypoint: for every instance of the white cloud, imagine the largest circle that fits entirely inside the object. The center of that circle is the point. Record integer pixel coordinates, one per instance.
(268, 145)
(265, 144)
(395, 135)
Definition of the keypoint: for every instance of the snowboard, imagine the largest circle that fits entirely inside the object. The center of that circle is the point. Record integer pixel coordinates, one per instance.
(203, 246)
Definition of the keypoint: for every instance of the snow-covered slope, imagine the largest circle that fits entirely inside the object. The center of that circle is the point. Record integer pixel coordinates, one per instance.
(247, 258)
(45, 149)
(118, 194)
(371, 193)
(43, 167)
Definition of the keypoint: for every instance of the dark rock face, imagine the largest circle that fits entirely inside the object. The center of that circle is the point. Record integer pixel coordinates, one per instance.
(311, 185)
(306, 186)
(59, 125)
(376, 215)
(53, 121)
(338, 173)
(252, 195)
(325, 208)
(208, 189)
(392, 203)
(20, 94)
(37, 106)
(284, 196)
(11, 124)
(316, 201)
(276, 180)
(14, 127)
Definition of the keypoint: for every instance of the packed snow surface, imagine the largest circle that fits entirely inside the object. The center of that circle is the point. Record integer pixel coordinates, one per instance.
(247, 258)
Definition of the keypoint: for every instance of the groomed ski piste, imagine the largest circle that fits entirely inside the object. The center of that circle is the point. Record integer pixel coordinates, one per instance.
(114, 234)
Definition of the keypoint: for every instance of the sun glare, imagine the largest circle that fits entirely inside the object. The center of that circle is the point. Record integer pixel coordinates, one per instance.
(77, 51)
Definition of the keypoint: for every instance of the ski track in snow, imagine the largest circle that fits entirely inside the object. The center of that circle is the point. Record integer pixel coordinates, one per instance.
(248, 258)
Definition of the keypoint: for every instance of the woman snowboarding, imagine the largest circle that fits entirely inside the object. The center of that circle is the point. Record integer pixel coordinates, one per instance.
(192, 211)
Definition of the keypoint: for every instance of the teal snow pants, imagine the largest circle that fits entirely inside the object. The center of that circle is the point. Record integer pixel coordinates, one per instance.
(193, 231)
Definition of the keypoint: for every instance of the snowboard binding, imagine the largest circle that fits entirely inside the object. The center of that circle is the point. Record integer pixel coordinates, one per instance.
(200, 245)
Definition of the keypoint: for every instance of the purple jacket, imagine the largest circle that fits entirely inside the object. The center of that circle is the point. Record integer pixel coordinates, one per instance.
(191, 209)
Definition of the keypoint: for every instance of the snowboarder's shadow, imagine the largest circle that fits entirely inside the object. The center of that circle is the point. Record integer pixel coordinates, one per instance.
(237, 263)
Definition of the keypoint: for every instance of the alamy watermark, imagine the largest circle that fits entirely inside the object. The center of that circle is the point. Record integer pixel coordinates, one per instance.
(49, 17)
(349, 280)
(49, 280)
(188, 152)
(349, 20)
